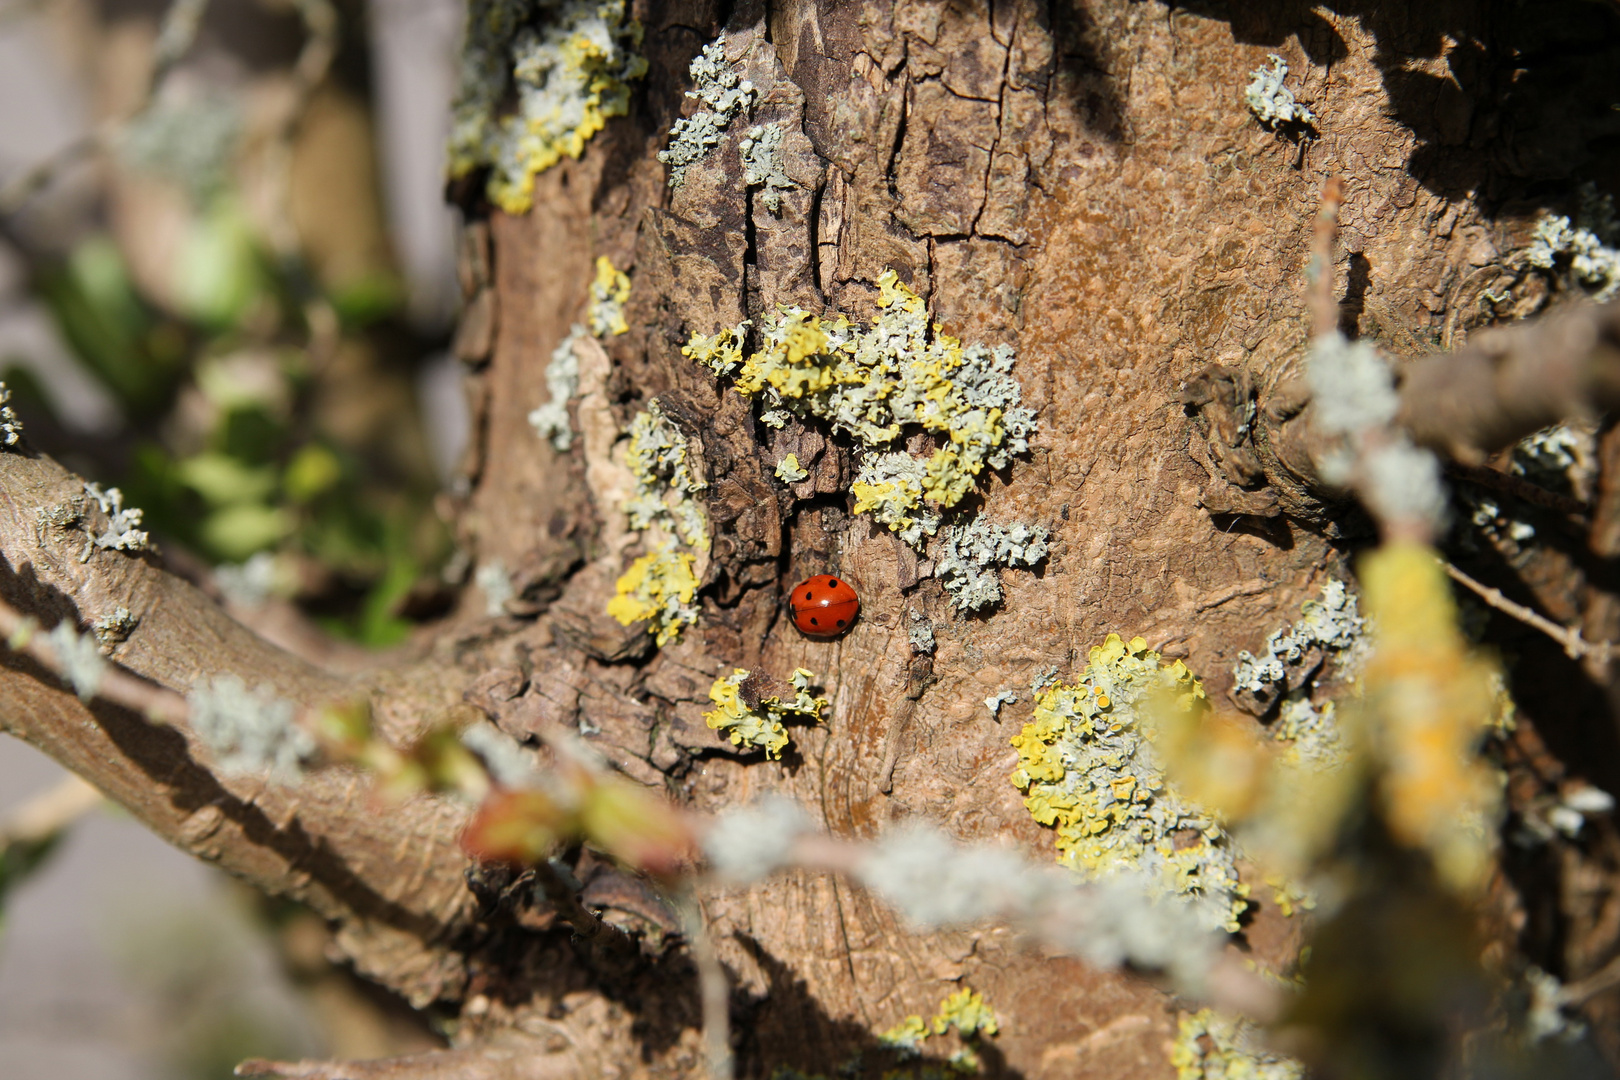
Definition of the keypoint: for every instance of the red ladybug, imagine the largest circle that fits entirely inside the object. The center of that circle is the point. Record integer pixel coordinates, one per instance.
(824, 606)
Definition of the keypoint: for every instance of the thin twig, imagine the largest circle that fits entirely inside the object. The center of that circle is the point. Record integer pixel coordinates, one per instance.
(1569, 637)
(1519, 488)
(586, 923)
(1319, 272)
(157, 704)
(49, 812)
(713, 988)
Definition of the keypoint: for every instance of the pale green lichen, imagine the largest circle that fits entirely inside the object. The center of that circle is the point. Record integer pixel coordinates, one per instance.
(122, 532)
(538, 79)
(249, 730)
(1311, 735)
(764, 165)
(1087, 769)
(921, 634)
(758, 720)
(874, 384)
(609, 292)
(968, 565)
(1271, 102)
(995, 701)
(789, 471)
(1210, 1046)
(666, 485)
(661, 586)
(1587, 246)
(724, 95)
(550, 420)
(78, 659)
(114, 627)
(495, 583)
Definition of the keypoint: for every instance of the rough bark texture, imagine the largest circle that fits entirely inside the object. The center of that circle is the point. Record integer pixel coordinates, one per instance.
(1081, 181)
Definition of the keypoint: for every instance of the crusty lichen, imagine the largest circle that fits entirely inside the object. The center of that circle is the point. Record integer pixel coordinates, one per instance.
(1271, 102)
(967, 566)
(1209, 1046)
(1588, 245)
(763, 164)
(538, 79)
(123, 532)
(661, 585)
(876, 383)
(550, 420)
(724, 95)
(609, 292)
(1329, 624)
(756, 720)
(1088, 770)
(11, 428)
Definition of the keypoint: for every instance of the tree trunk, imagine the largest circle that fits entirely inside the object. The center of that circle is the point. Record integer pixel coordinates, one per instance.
(1082, 182)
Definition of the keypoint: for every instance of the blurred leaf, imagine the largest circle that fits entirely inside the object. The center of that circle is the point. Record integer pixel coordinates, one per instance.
(219, 273)
(226, 481)
(236, 532)
(363, 302)
(312, 472)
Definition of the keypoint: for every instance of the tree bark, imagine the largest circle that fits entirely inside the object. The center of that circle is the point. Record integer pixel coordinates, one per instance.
(1082, 182)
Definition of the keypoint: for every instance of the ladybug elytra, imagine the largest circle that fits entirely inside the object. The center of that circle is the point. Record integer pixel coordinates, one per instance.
(824, 606)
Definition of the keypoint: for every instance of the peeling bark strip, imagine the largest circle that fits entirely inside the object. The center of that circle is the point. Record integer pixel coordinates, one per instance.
(1083, 182)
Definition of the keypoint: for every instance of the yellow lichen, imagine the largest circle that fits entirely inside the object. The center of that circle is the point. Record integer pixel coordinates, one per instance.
(968, 1012)
(1088, 770)
(659, 587)
(760, 724)
(1209, 1046)
(538, 79)
(609, 292)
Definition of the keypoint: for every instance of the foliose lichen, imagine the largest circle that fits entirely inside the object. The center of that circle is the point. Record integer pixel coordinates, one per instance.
(248, 730)
(996, 701)
(609, 292)
(874, 384)
(1210, 1046)
(1311, 734)
(660, 587)
(724, 95)
(968, 565)
(538, 78)
(966, 1010)
(1088, 769)
(1271, 102)
(550, 420)
(11, 427)
(1588, 245)
(756, 720)
(1329, 622)
(920, 633)
(122, 532)
(907, 1037)
(764, 165)
(789, 471)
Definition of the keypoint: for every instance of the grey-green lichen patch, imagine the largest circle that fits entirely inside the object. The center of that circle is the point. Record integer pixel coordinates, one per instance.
(876, 383)
(11, 427)
(122, 532)
(187, 142)
(249, 730)
(920, 633)
(609, 293)
(969, 565)
(1088, 770)
(495, 583)
(1311, 734)
(789, 471)
(1272, 103)
(1329, 623)
(660, 587)
(78, 659)
(1587, 246)
(114, 627)
(996, 701)
(538, 79)
(764, 165)
(1210, 1046)
(724, 94)
(1560, 458)
(550, 420)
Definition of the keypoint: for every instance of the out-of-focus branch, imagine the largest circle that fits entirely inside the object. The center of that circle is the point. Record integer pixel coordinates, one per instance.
(175, 38)
(506, 1062)
(1511, 381)
(49, 812)
(714, 989)
(1319, 273)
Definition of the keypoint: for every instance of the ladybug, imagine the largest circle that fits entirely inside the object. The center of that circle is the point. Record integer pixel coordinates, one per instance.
(824, 606)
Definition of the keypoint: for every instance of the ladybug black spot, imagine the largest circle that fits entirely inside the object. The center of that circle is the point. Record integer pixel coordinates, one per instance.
(832, 583)
(814, 622)
(840, 624)
(809, 596)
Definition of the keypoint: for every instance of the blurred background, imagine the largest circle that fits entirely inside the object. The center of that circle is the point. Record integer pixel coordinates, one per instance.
(227, 283)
